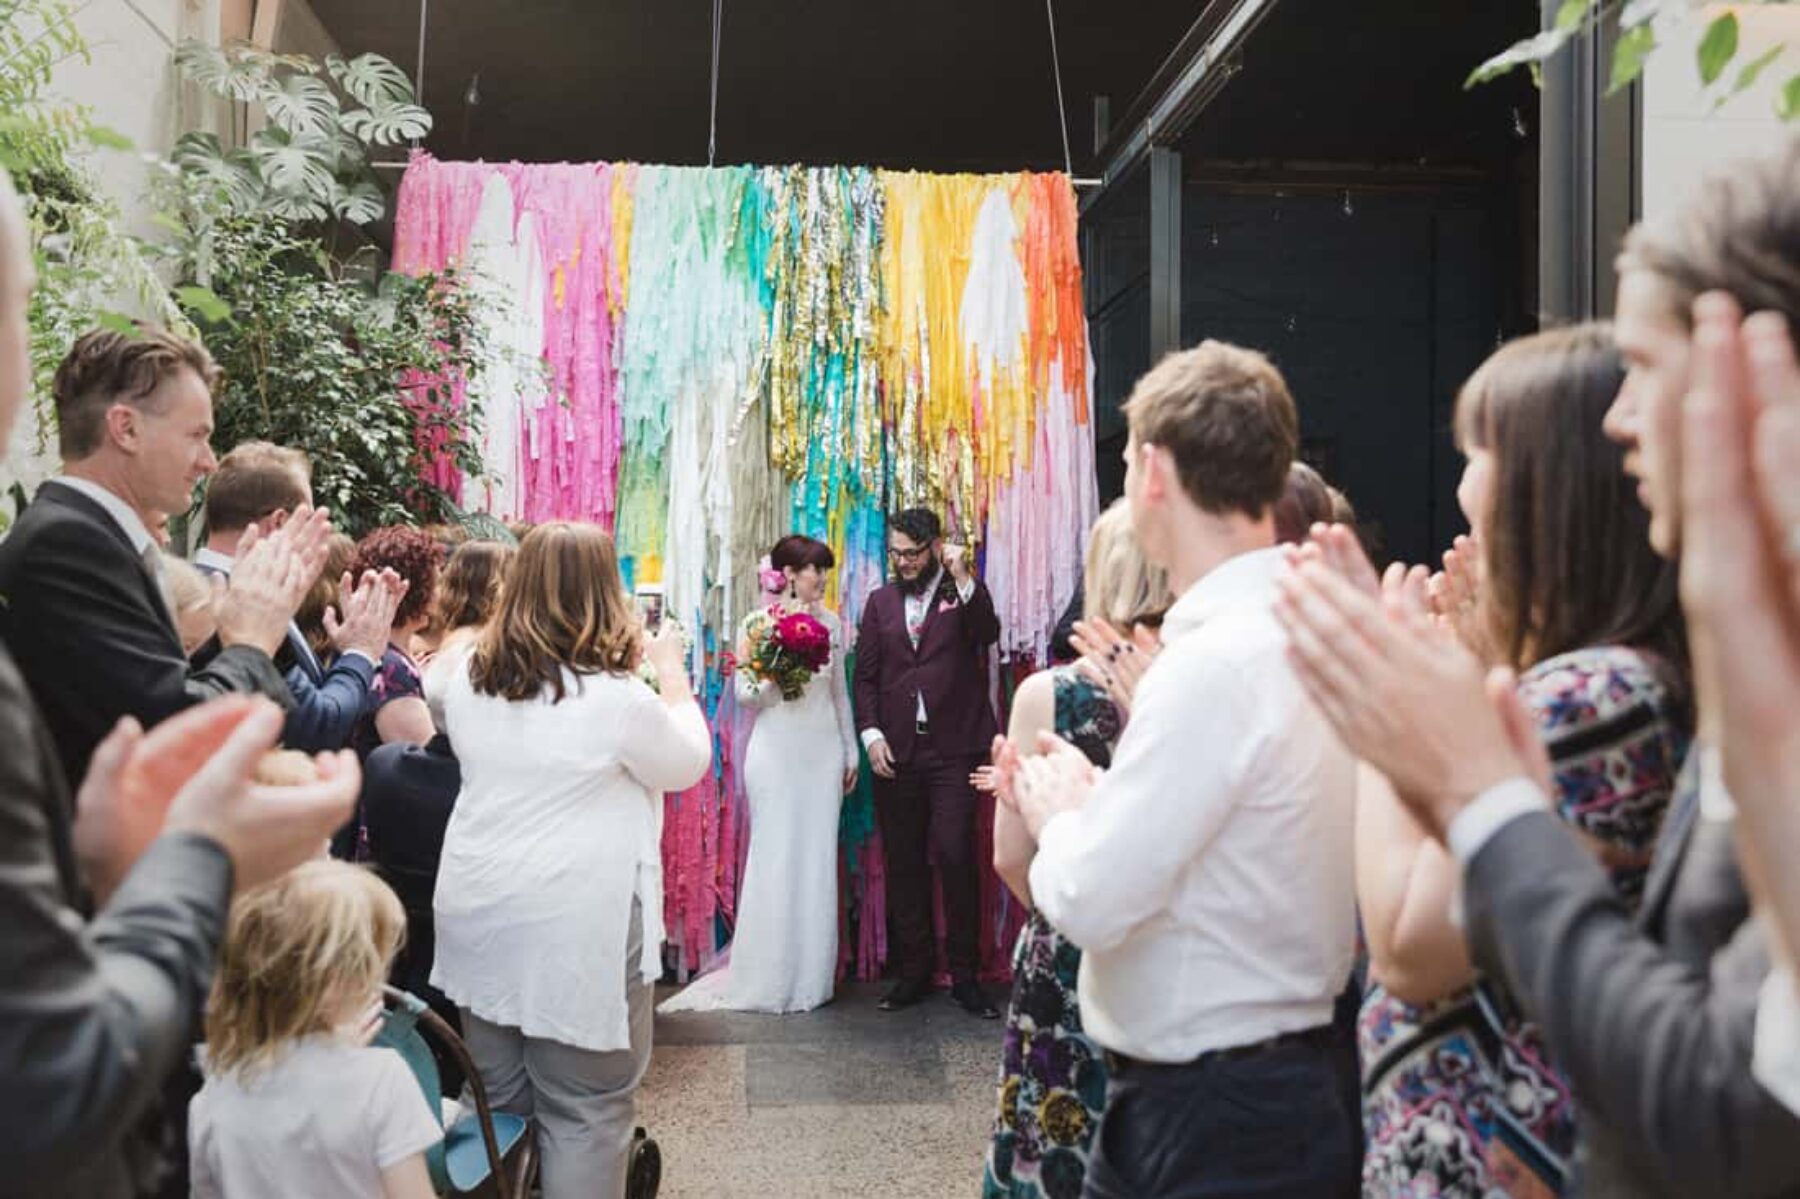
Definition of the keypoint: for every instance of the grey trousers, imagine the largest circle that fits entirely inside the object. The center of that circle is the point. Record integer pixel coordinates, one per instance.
(584, 1101)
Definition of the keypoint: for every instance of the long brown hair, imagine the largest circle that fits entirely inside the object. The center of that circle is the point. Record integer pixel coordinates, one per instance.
(469, 589)
(1567, 551)
(564, 605)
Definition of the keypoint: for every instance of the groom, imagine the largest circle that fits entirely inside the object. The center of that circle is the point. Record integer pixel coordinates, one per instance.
(923, 711)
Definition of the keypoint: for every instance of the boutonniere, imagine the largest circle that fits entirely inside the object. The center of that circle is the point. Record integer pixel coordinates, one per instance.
(949, 602)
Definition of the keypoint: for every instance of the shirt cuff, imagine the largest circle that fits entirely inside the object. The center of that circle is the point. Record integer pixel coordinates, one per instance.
(966, 591)
(1775, 1061)
(871, 736)
(1491, 811)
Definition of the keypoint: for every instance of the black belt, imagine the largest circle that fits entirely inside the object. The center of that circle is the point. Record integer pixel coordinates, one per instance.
(1318, 1037)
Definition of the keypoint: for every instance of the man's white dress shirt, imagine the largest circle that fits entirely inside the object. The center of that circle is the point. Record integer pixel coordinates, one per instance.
(123, 514)
(1208, 878)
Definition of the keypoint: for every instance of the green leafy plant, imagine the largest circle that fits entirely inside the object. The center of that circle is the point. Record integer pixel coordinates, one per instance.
(88, 268)
(311, 163)
(320, 359)
(1636, 22)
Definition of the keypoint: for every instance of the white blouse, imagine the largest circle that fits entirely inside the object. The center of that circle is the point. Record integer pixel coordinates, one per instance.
(557, 829)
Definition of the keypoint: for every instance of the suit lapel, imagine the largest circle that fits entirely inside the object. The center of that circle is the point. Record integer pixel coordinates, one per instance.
(72, 499)
(934, 606)
(1672, 842)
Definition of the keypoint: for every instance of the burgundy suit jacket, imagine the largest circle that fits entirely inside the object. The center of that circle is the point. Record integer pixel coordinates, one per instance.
(949, 668)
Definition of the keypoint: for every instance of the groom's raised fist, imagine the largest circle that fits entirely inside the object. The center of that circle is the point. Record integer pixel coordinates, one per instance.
(956, 561)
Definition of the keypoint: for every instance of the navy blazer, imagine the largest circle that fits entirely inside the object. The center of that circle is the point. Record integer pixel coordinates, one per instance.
(327, 703)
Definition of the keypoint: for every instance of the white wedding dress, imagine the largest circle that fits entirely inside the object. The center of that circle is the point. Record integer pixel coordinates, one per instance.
(784, 953)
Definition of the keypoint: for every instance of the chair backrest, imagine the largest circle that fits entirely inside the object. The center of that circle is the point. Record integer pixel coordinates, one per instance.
(412, 1019)
(400, 1032)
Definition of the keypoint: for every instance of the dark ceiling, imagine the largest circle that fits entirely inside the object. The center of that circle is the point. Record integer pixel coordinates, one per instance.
(935, 84)
(931, 84)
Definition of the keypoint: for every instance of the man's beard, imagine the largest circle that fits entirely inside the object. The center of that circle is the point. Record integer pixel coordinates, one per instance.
(915, 585)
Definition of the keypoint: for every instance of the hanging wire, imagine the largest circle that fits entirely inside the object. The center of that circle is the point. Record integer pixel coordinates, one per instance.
(712, 134)
(419, 67)
(1061, 111)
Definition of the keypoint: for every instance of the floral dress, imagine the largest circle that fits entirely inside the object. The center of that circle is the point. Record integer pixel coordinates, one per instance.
(1052, 1078)
(1459, 1098)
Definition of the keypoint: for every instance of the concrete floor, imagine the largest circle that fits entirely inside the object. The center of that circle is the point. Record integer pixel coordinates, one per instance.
(845, 1100)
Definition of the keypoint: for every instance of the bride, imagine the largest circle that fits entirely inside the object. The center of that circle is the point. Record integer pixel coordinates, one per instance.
(801, 759)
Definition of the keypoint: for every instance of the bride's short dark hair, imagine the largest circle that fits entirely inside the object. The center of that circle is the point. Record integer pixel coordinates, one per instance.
(799, 551)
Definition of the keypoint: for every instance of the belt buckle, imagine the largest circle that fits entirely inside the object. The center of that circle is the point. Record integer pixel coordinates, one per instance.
(921, 728)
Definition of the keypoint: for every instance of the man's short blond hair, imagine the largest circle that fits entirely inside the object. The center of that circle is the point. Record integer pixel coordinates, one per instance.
(1225, 415)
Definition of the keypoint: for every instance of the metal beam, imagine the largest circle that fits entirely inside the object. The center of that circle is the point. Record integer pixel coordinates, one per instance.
(1588, 154)
(1165, 252)
(1203, 62)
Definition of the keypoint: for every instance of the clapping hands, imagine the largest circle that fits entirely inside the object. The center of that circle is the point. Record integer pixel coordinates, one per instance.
(368, 608)
(272, 574)
(1401, 690)
(1113, 662)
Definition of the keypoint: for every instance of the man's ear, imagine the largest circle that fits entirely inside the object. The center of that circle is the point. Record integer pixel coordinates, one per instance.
(274, 520)
(124, 427)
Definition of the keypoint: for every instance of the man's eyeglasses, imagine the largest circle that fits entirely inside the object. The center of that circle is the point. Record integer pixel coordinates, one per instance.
(911, 555)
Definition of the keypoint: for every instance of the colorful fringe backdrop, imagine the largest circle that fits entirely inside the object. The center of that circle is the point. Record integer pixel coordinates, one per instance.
(704, 359)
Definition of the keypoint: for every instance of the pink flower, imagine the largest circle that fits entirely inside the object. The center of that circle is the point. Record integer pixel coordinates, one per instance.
(773, 581)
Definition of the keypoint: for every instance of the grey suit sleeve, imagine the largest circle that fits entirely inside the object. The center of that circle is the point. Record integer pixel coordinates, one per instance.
(1655, 1050)
(92, 1018)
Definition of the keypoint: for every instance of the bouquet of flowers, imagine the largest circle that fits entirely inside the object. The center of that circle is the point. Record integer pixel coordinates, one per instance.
(785, 648)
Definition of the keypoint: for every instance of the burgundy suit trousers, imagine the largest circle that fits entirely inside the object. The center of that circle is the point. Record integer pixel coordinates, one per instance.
(927, 814)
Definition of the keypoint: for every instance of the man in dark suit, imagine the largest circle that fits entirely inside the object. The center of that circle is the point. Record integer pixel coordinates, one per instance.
(94, 1013)
(81, 606)
(923, 711)
(260, 484)
(1652, 1019)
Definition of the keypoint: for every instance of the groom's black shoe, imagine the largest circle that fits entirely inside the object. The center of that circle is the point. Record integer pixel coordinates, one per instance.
(903, 993)
(973, 1000)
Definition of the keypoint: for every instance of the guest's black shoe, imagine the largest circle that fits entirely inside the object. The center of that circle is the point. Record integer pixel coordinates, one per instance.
(901, 994)
(971, 998)
(643, 1177)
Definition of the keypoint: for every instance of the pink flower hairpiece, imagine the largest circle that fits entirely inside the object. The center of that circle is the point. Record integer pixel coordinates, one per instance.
(773, 581)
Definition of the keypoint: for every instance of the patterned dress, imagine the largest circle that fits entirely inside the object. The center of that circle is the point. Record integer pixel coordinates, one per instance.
(1459, 1099)
(1052, 1078)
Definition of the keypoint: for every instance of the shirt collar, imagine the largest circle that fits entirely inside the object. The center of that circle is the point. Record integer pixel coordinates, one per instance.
(211, 559)
(123, 515)
(1247, 578)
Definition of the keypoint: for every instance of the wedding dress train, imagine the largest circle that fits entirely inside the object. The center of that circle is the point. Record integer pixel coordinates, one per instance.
(784, 953)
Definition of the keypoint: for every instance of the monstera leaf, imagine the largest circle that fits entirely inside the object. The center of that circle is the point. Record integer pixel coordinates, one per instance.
(239, 77)
(235, 175)
(293, 167)
(295, 207)
(302, 105)
(388, 124)
(371, 80)
(359, 203)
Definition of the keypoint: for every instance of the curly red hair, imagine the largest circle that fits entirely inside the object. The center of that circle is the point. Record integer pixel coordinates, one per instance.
(413, 554)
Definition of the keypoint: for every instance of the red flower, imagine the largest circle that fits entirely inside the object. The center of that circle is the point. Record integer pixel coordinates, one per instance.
(805, 638)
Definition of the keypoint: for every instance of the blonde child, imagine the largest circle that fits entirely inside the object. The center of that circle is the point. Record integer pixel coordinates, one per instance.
(296, 1102)
(190, 595)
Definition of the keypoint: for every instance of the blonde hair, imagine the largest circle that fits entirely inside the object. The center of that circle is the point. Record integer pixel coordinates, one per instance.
(295, 951)
(1122, 588)
(563, 606)
(186, 588)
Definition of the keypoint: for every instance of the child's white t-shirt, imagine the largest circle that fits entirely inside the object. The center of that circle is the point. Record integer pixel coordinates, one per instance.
(325, 1118)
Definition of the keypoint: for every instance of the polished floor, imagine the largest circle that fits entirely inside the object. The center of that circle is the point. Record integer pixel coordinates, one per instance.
(845, 1100)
